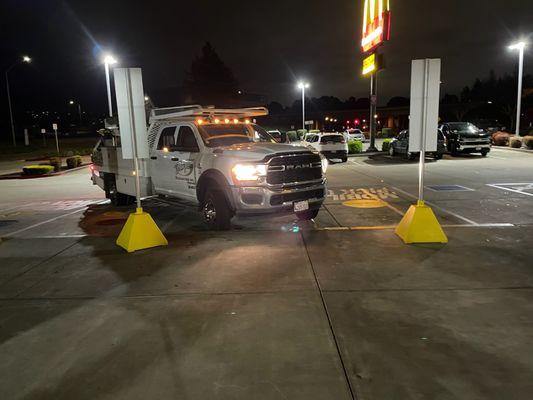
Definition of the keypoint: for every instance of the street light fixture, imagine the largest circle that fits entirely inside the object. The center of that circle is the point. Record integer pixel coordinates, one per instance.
(520, 46)
(72, 102)
(109, 60)
(303, 85)
(27, 60)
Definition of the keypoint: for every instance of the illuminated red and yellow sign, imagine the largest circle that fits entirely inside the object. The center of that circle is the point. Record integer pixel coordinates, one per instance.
(376, 24)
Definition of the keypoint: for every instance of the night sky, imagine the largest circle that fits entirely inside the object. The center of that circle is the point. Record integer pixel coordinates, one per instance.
(268, 44)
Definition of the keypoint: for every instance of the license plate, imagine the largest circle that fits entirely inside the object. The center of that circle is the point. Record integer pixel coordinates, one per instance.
(478, 148)
(301, 206)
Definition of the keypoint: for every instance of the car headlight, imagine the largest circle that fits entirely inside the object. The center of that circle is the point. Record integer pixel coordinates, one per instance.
(249, 172)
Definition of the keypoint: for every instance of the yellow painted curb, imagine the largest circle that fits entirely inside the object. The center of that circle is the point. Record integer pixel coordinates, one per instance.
(140, 232)
(419, 225)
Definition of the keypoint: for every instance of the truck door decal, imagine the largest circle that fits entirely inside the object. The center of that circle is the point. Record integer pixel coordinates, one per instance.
(184, 168)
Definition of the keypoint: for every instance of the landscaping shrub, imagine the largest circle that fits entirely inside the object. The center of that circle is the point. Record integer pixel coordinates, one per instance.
(37, 169)
(387, 132)
(515, 142)
(501, 138)
(528, 142)
(73, 162)
(386, 145)
(293, 136)
(301, 133)
(56, 163)
(355, 146)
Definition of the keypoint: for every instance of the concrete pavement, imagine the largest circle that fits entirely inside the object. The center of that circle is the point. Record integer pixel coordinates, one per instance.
(341, 309)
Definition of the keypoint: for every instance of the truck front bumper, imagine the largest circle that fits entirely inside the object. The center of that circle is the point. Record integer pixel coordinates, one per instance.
(266, 200)
(473, 147)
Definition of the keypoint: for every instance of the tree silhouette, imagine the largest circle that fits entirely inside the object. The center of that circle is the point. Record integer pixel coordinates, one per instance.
(209, 80)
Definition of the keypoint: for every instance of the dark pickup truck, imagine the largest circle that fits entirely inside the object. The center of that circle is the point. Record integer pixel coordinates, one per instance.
(464, 137)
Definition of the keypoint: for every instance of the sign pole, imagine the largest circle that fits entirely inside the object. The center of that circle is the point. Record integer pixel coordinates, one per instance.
(373, 110)
(54, 127)
(419, 224)
(423, 133)
(134, 141)
(140, 231)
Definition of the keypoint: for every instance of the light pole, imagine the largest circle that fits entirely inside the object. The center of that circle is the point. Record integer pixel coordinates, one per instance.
(25, 59)
(72, 102)
(520, 47)
(303, 85)
(109, 60)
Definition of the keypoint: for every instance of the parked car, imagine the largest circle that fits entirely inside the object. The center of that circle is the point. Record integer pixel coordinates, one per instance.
(464, 137)
(355, 134)
(279, 137)
(400, 146)
(330, 145)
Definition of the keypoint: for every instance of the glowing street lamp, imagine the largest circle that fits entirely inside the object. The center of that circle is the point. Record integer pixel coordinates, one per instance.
(303, 85)
(520, 46)
(72, 102)
(27, 60)
(109, 60)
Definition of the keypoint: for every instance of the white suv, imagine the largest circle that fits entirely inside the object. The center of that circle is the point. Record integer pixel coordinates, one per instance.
(355, 134)
(330, 145)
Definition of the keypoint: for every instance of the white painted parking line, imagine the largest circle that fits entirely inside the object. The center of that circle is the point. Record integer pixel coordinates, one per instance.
(51, 219)
(438, 207)
(519, 188)
(392, 227)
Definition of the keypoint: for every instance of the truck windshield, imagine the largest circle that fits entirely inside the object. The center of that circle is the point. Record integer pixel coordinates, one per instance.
(228, 134)
(463, 127)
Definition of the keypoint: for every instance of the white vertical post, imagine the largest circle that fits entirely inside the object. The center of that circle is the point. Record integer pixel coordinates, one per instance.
(422, 163)
(303, 106)
(519, 99)
(134, 140)
(26, 137)
(108, 89)
(57, 141)
(10, 112)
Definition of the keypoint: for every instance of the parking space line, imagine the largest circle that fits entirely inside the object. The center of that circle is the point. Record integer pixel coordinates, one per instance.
(392, 227)
(52, 219)
(499, 186)
(437, 207)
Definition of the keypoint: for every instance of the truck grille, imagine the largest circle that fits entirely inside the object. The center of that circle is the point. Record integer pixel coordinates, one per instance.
(294, 168)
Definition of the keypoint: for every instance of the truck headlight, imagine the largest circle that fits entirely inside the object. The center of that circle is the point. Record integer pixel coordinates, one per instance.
(249, 172)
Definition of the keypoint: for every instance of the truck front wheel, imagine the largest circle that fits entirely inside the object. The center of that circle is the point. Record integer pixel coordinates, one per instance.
(216, 211)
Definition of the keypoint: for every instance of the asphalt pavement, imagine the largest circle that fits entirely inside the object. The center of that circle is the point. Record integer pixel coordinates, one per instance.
(338, 308)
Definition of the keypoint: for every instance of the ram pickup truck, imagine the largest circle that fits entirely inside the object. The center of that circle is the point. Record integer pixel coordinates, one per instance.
(464, 137)
(218, 159)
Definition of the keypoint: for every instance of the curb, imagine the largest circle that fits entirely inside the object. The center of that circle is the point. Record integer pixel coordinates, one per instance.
(363, 154)
(512, 149)
(21, 176)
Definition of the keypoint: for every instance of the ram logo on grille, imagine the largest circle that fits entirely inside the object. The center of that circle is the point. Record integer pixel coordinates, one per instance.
(296, 166)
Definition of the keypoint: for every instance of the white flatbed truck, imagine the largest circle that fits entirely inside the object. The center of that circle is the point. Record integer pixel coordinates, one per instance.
(218, 159)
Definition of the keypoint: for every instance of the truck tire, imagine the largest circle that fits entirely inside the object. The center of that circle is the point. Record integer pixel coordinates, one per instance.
(216, 211)
(307, 215)
(117, 199)
(344, 159)
(484, 153)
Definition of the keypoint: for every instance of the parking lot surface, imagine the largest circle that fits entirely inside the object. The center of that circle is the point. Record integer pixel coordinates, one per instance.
(338, 308)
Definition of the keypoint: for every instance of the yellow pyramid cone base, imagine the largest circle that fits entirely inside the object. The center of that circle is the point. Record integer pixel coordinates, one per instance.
(419, 225)
(140, 232)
